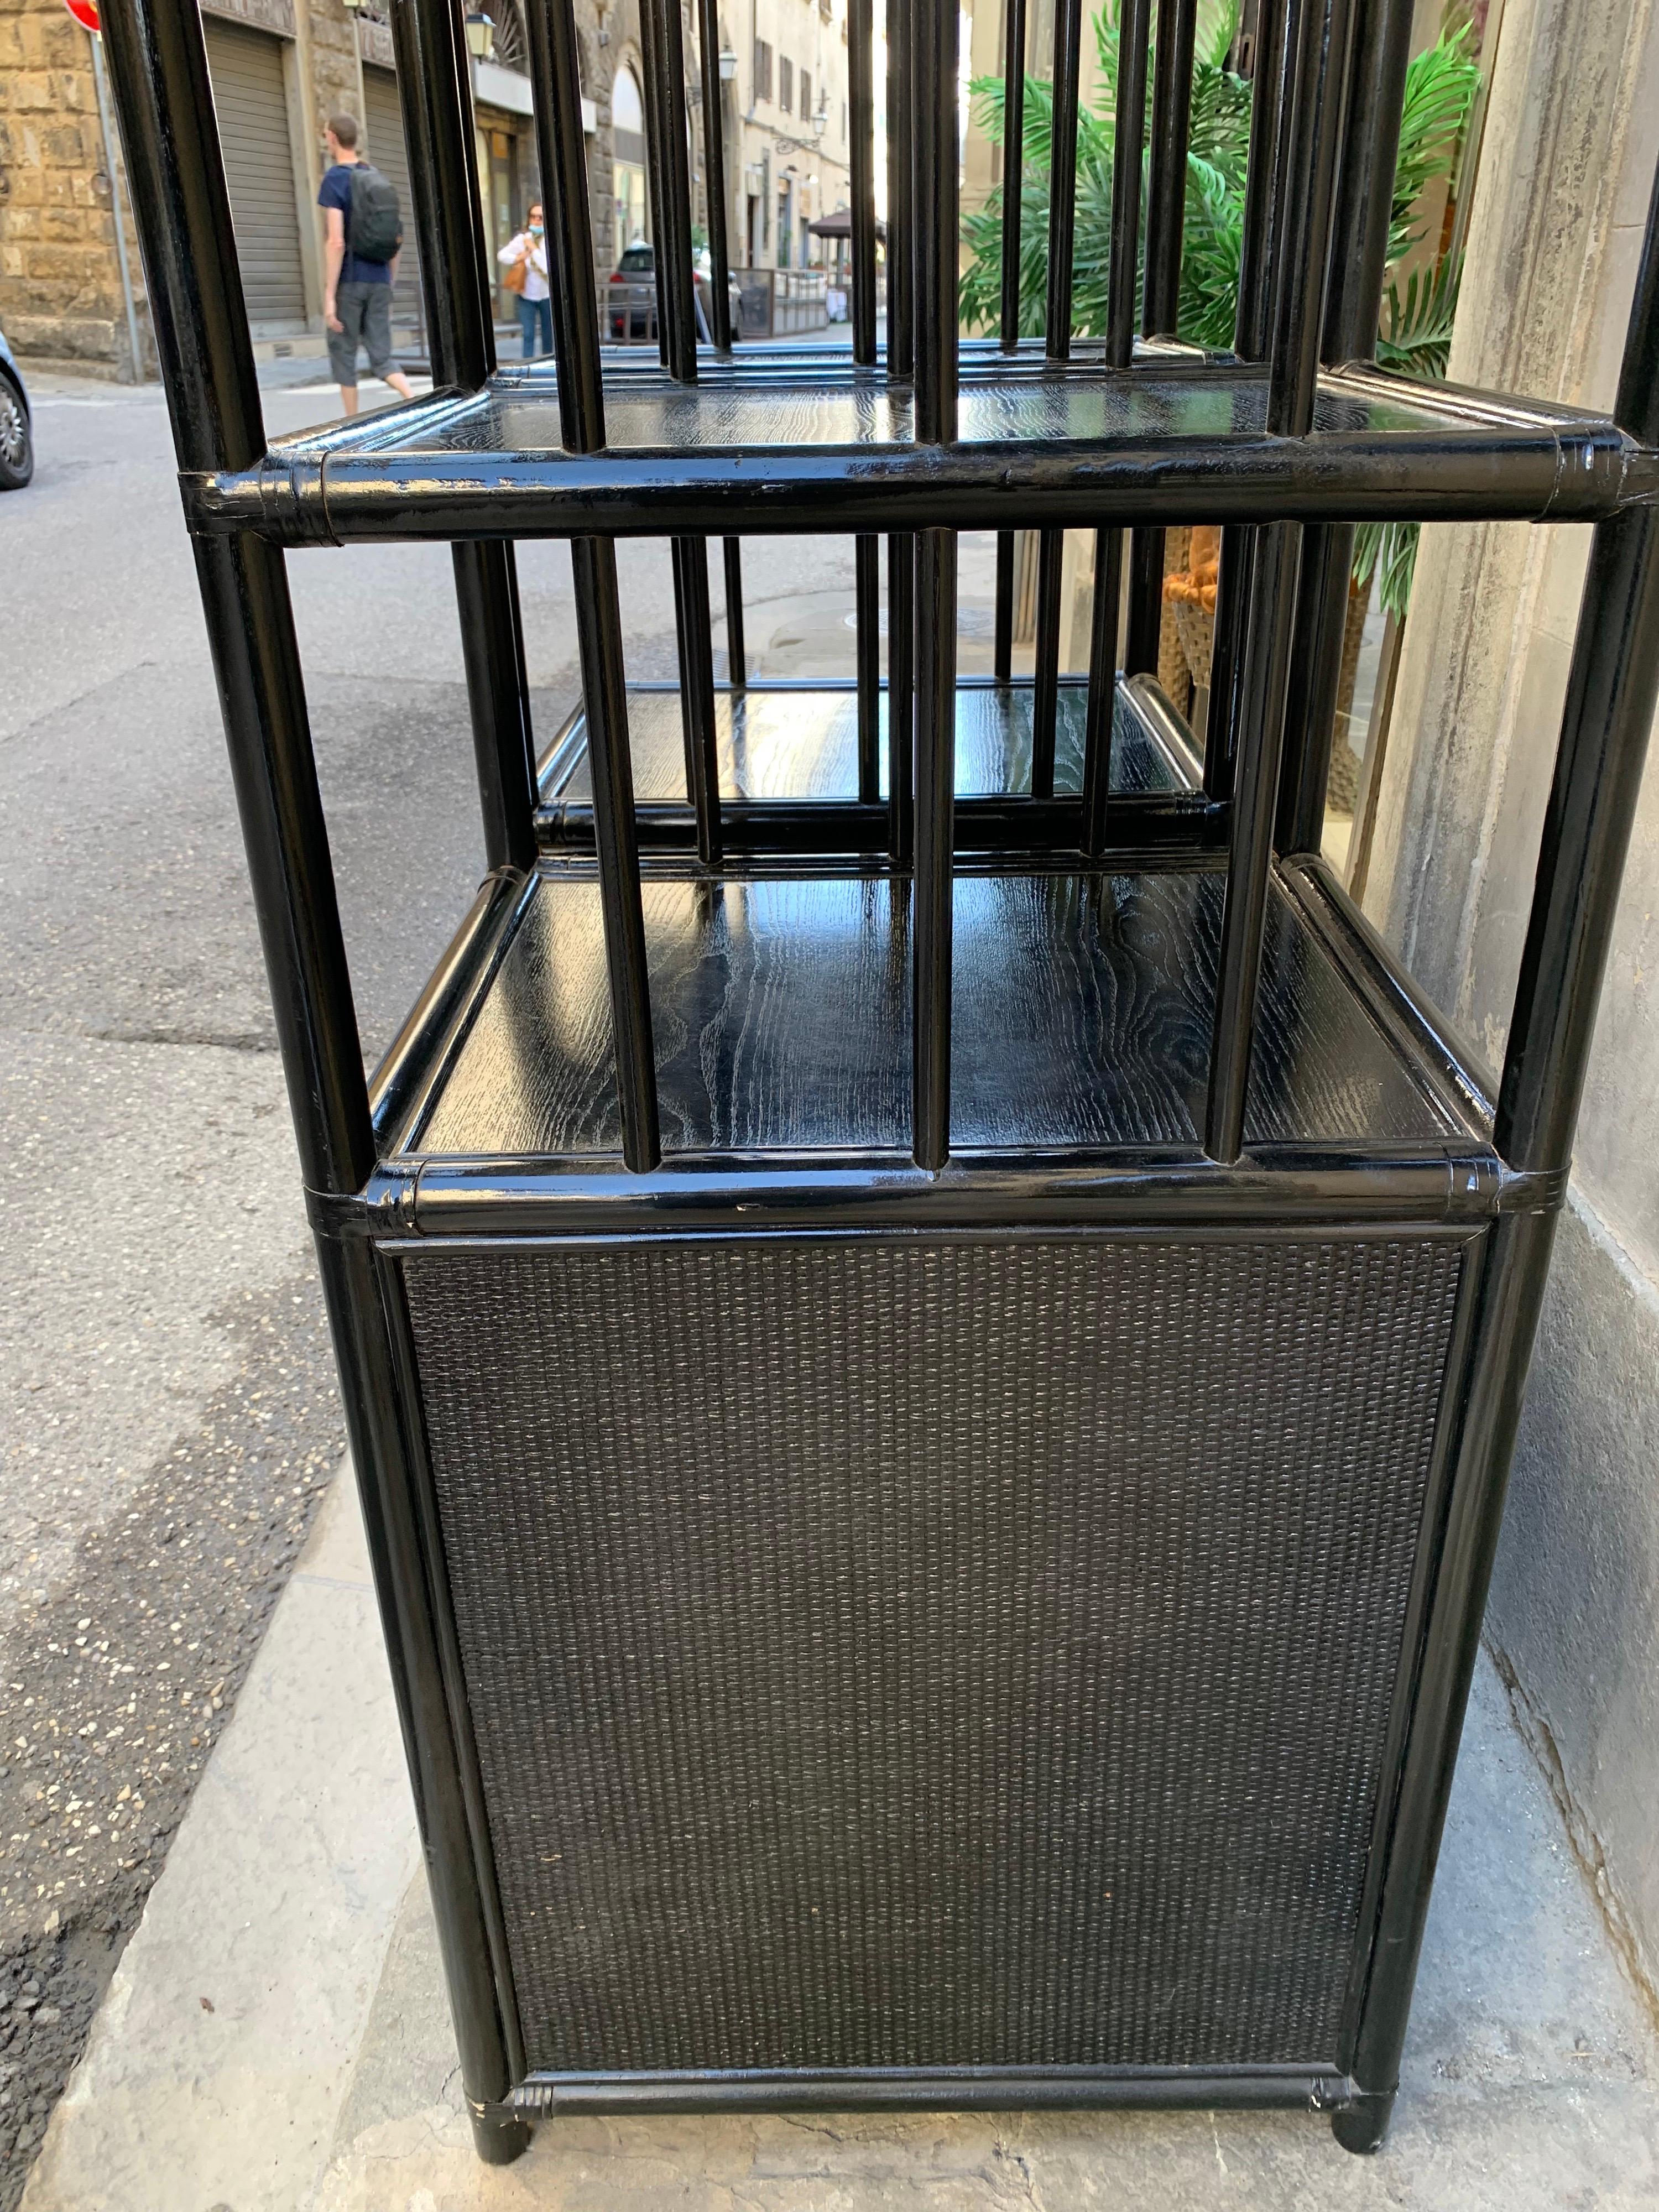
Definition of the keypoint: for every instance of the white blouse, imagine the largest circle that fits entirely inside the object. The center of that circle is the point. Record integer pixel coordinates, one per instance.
(535, 276)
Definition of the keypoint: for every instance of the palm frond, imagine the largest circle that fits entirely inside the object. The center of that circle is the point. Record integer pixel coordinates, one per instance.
(1414, 335)
(1388, 551)
(1217, 36)
(1106, 29)
(1440, 88)
(1414, 340)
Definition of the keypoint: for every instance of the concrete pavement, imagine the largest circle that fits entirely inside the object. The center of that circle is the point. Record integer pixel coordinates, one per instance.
(277, 2038)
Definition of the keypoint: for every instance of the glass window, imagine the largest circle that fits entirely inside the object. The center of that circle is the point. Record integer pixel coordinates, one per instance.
(628, 168)
(626, 111)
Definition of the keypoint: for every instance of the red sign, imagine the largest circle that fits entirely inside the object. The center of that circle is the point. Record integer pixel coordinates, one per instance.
(85, 13)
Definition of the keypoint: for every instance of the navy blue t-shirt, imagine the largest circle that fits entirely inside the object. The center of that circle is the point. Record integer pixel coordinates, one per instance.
(336, 193)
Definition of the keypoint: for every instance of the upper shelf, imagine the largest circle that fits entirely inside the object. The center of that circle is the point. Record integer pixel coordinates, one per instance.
(780, 440)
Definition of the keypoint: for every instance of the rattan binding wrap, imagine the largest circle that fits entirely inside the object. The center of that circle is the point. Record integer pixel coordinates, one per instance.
(903, 1652)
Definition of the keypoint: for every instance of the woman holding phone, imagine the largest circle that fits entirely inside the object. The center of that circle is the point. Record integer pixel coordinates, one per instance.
(524, 259)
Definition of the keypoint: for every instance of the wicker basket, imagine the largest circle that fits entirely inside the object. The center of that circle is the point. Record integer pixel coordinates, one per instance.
(1195, 628)
(1172, 662)
(1172, 669)
(1342, 790)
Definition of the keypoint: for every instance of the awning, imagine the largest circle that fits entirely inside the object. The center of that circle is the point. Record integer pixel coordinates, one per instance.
(839, 225)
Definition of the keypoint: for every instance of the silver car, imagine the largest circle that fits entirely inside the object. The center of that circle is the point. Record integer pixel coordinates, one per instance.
(630, 304)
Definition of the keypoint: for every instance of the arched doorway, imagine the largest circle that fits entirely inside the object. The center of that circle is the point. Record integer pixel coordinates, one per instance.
(629, 204)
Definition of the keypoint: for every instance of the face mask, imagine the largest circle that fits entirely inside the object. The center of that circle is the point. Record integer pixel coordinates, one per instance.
(535, 230)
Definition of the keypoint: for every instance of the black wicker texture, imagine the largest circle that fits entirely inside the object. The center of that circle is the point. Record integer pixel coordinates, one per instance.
(891, 1652)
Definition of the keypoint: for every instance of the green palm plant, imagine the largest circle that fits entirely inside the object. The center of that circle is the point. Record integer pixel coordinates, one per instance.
(1414, 339)
(1415, 328)
(1219, 149)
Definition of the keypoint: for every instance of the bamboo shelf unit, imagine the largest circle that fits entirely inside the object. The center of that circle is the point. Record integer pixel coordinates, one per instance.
(931, 1325)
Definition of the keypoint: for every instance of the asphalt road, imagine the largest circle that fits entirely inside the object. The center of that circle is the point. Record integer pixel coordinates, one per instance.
(166, 1386)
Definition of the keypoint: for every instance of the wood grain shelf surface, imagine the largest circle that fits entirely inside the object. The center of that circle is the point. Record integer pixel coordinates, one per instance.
(833, 450)
(1021, 404)
(796, 744)
(781, 1016)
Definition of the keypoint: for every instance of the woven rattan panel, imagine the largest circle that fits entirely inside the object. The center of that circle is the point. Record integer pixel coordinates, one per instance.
(890, 1652)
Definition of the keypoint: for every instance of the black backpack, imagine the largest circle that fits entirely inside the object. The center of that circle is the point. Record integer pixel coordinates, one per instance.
(376, 228)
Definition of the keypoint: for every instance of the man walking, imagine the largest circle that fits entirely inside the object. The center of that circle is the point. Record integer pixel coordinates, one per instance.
(360, 210)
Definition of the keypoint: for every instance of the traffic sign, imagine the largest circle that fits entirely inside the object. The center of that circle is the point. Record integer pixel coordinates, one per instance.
(85, 13)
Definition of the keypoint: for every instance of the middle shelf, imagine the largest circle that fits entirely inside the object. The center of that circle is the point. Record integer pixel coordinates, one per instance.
(787, 758)
(781, 1009)
(781, 989)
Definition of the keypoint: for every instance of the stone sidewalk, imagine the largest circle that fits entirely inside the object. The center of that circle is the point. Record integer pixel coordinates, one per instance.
(276, 2038)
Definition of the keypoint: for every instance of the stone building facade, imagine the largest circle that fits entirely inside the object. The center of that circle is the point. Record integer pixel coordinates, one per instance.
(609, 35)
(60, 285)
(789, 161)
(784, 124)
(280, 68)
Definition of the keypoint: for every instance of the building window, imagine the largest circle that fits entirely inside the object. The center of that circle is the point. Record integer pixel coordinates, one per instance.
(806, 96)
(786, 85)
(509, 38)
(763, 70)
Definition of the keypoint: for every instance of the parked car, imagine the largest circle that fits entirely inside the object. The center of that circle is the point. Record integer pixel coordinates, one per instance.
(631, 300)
(17, 428)
(631, 306)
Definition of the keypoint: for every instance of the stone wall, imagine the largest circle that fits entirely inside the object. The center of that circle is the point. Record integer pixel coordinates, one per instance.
(329, 63)
(60, 288)
(1566, 168)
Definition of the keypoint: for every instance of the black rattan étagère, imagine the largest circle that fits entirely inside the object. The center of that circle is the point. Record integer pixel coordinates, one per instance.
(931, 1326)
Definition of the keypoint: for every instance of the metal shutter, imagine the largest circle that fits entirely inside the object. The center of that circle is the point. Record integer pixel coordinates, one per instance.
(384, 122)
(251, 100)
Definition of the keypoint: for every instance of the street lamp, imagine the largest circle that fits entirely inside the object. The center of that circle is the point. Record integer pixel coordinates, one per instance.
(480, 35)
(728, 65)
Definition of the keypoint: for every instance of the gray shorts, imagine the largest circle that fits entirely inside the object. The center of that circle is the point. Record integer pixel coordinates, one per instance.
(365, 312)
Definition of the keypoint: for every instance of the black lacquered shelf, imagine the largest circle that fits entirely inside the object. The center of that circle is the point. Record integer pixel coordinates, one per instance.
(763, 446)
(782, 741)
(782, 1013)
(788, 761)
